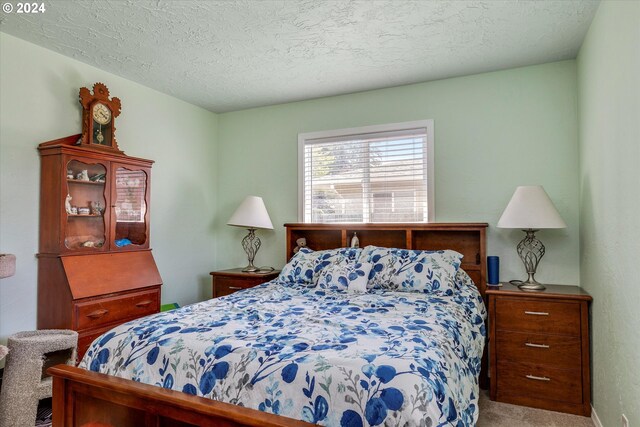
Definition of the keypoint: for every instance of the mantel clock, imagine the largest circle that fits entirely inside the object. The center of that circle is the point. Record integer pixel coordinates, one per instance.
(98, 114)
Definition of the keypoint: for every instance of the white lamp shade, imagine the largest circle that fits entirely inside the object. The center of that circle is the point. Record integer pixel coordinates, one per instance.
(251, 214)
(531, 207)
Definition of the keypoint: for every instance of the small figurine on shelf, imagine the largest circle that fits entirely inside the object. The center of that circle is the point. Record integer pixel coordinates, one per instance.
(74, 210)
(84, 211)
(67, 204)
(83, 175)
(302, 243)
(355, 242)
(92, 244)
(123, 242)
(69, 174)
(99, 177)
(96, 208)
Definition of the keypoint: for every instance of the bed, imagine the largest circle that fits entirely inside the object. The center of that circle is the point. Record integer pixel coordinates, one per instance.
(285, 353)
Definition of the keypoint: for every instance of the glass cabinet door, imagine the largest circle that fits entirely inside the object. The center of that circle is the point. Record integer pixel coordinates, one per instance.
(130, 217)
(84, 205)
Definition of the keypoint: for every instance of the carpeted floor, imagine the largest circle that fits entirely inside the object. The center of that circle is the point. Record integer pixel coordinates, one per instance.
(496, 414)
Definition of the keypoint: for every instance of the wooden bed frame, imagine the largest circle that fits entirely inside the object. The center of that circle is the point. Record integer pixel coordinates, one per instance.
(87, 399)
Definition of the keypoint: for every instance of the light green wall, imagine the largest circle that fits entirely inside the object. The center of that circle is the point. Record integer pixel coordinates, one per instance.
(39, 102)
(493, 132)
(609, 122)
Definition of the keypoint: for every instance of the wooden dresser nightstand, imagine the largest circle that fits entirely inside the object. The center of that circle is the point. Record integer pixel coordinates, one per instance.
(226, 282)
(539, 347)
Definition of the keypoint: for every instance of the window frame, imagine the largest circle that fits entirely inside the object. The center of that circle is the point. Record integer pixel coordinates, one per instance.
(427, 124)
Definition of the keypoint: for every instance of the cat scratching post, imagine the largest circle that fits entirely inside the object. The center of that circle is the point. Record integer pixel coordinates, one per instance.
(25, 382)
(7, 269)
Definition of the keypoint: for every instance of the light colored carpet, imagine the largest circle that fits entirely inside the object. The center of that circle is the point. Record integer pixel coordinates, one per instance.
(496, 414)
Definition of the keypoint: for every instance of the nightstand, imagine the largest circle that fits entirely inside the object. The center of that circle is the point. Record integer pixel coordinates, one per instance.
(539, 347)
(226, 282)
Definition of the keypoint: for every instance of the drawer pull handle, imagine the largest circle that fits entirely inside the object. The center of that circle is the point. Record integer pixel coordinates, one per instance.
(533, 377)
(537, 313)
(530, 344)
(235, 288)
(144, 303)
(97, 314)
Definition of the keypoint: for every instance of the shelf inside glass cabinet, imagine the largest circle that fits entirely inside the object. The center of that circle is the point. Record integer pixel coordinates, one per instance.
(84, 205)
(84, 182)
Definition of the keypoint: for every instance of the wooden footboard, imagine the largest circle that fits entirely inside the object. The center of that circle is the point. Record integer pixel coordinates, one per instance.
(87, 399)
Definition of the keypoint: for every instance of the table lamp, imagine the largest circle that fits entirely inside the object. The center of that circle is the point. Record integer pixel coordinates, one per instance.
(252, 215)
(531, 209)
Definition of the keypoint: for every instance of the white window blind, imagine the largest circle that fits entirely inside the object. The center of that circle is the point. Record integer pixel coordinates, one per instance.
(378, 175)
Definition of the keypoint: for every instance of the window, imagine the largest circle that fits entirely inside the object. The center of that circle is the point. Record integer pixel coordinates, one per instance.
(371, 174)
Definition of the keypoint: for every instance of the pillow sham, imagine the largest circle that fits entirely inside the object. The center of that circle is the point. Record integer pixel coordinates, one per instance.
(305, 266)
(411, 270)
(340, 256)
(299, 269)
(351, 276)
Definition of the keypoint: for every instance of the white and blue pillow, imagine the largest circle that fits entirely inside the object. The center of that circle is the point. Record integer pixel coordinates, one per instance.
(407, 270)
(306, 265)
(375, 267)
(351, 276)
(340, 256)
(299, 269)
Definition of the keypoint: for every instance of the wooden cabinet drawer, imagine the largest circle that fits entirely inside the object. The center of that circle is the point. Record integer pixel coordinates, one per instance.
(117, 308)
(226, 282)
(550, 350)
(227, 285)
(543, 317)
(563, 385)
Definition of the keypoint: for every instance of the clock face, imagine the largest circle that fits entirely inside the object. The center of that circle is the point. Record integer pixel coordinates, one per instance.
(101, 114)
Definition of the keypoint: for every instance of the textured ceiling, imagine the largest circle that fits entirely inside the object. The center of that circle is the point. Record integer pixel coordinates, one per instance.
(230, 55)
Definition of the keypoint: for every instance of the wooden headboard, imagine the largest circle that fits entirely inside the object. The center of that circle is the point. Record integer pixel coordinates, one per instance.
(467, 238)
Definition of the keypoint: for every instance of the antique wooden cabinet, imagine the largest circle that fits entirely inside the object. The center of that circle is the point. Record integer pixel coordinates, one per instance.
(95, 267)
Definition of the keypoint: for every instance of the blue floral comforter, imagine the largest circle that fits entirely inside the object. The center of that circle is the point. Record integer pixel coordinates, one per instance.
(328, 357)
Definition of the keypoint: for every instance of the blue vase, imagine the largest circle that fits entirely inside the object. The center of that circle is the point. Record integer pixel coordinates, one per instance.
(493, 270)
